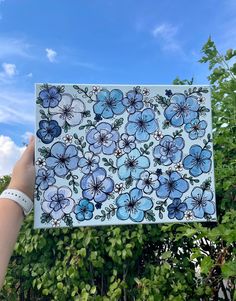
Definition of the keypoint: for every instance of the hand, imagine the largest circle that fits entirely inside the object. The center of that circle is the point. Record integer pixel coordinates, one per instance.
(23, 175)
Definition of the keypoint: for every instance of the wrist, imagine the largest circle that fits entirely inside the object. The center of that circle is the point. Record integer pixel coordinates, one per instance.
(20, 187)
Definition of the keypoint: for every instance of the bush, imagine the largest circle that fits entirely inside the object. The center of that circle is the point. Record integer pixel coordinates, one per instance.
(143, 262)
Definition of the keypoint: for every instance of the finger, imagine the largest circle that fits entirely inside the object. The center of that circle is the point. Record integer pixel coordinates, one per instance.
(28, 154)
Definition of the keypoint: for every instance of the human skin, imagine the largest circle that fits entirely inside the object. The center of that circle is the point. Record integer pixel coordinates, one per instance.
(11, 214)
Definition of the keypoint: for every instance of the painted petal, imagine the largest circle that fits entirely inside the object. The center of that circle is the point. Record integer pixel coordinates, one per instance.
(72, 163)
(80, 216)
(123, 172)
(126, 101)
(176, 157)
(201, 133)
(74, 118)
(95, 149)
(207, 195)
(195, 171)
(134, 154)
(177, 120)
(206, 154)
(43, 185)
(122, 200)
(121, 160)
(197, 192)
(108, 185)
(188, 116)
(151, 126)
(131, 94)
(193, 135)
(60, 118)
(46, 207)
(83, 162)
(107, 113)
(198, 211)
(57, 214)
(148, 189)
(90, 136)
(178, 99)
(144, 175)
(65, 191)
(103, 95)
(49, 193)
(209, 208)
(143, 162)
(135, 194)
(122, 213)
(192, 103)
(41, 172)
(44, 94)
(189, 162)
(100, 197)
(71, 151)
(88, 215)
(141, 184)
(202, 124)
(131, 128)
(191, 203)
(175, 194)
(157, 151)
(139, 105)
(163, 191)
(58, 149)
(51, 180)
(181, 185)
(179, 142)
(170, 111)
(135, 117)
(90, 207)
(88, 194)
(99, 107)
(77, 106)
(144, 204)
(61, 170)
(135, 173)
(137, 215)
(69, 207)
(174, 176)
(104, 126)
(141, 135)
(205, 165)
(116, 94)
(110, 149)
(148, 115)
(188, 127)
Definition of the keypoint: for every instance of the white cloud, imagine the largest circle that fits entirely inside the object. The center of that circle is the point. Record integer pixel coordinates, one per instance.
(166, 34)
(14, 47)
(51, 54)
(9, 154)
(16, 106)
(29, 74)
(9, 69)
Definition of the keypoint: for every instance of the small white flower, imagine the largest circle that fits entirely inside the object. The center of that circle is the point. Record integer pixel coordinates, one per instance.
(68, 138)
(96, 89)
(158, 135)
(119, 187)
(188, 215)
(40, 162)
(179, 166)
(201, 99)
(118, 152)
(146, 92)
(55, 223)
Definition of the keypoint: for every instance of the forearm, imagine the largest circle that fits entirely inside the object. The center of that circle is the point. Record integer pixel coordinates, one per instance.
(11, 217)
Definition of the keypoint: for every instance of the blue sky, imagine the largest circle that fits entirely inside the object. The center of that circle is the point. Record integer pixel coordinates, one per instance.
(99, 41)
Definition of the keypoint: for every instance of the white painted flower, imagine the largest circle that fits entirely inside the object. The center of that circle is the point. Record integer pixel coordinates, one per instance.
(179, 166)
(40, 162)
(69, 111)
(96, 89)
(119, 188)
(146, 92)
(67, 139)
(188, 215)
(158, 135)
(118, 152)
(55, 223)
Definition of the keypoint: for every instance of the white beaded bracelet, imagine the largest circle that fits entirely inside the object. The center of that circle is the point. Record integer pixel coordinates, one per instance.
(20, 198)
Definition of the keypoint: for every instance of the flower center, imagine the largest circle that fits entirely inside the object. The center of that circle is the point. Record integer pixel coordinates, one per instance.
(62, 159)
(141, 123)
(131, 163)
(110, 102)
(103, 138)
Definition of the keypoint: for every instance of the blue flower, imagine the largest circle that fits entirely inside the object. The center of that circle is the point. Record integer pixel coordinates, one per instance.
(198, 161)
(127, 143)
(109, 103)
(142, 124)
(196, 128)
(133, 101)
(133, 205)
(182, 109)
(45, 178)
(48, 130)
(84, 210)
(169, 150)
(103, 139)
(57, 201)
(201, 202)
(89, 162)
(148, 182)
(132, 164)
(176, 209)
(50, 97)
(97, 186)
(171, 186)
(62, 158)
(70, 112)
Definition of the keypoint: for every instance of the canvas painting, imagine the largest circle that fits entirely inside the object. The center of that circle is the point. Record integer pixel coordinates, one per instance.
(123, 154)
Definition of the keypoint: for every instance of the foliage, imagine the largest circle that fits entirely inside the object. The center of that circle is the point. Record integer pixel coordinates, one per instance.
(143, 262)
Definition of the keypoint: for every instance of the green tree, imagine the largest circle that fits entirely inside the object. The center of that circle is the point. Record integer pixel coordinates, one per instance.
(144, 262)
